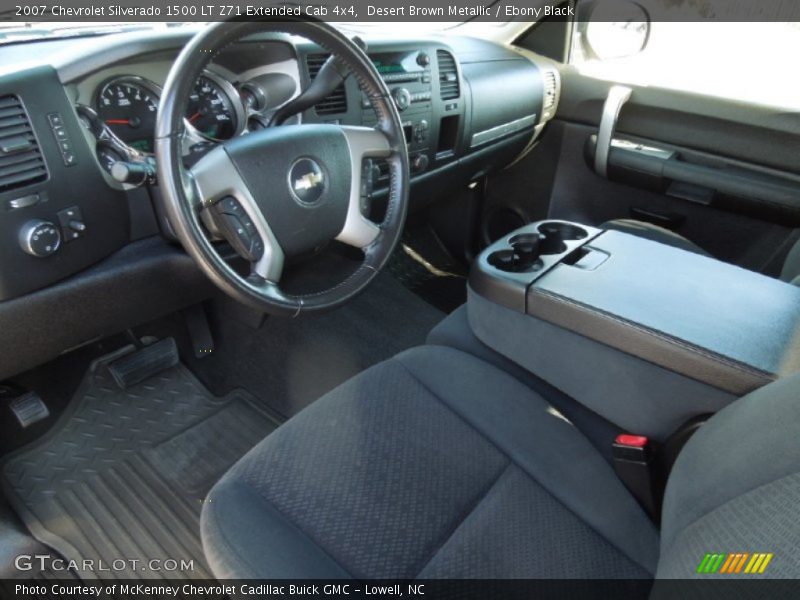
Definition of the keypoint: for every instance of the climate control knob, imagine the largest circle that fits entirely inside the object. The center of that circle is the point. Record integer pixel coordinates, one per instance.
(402, 98)
(419, 163)
(40, 238)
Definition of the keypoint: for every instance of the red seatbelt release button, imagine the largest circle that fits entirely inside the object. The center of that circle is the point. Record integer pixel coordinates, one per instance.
(632, 441)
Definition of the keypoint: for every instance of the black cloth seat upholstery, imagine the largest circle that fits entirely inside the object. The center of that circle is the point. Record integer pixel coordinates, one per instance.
(791, 266)
(433, 464)
(654, 233)
(436, 464)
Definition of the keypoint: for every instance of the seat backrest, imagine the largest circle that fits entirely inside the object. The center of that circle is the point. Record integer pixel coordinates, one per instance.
(735, 488)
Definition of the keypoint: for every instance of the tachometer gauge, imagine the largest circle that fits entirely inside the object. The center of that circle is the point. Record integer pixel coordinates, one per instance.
(214, 109)
(128, 106)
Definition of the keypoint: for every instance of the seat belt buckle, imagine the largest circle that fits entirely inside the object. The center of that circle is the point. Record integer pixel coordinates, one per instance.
(633, 464)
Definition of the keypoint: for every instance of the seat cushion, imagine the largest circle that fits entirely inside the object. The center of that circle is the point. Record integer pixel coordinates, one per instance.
(735, 486)
(431, 464)
(654, 233)
(454, 331)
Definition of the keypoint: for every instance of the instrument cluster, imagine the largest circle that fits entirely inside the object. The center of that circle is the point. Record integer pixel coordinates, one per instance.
(125, 107)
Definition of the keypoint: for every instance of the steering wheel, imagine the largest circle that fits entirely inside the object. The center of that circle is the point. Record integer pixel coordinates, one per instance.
(282, 191)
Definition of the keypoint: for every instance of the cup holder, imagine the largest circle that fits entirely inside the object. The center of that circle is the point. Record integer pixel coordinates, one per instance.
(562, 231)
(537, 244)
(523, 256)
(527, 249)
(527, 245)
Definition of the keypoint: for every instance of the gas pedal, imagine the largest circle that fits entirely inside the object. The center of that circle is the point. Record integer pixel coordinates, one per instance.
(199, 330)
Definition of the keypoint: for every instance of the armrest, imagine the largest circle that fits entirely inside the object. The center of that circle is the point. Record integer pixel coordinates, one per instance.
(725, 326)
(645, 334)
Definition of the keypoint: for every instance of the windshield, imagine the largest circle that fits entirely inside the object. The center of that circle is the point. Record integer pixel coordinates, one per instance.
(23, 32)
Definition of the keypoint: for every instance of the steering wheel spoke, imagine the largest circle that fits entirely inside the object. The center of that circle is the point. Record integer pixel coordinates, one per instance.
(231, 210)
(363, 143)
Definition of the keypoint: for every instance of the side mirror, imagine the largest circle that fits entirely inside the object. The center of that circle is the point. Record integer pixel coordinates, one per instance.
(614, 29)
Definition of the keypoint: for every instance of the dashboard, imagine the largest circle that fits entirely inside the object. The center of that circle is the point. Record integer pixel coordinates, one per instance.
(84, 253)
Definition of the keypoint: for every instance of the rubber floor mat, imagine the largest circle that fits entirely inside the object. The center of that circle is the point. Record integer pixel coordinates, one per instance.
(121, 478)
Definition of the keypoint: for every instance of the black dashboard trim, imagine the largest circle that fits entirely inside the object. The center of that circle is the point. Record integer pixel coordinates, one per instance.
(143, 281)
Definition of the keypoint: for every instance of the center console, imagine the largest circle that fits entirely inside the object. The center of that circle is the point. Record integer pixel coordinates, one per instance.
(645, 334)
(426, 88)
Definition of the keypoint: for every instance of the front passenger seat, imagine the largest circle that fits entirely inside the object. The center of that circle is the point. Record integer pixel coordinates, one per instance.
(435, 464)
(789, 273)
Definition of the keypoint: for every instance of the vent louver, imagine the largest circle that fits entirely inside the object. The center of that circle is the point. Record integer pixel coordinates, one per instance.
(448, 76)
(549, 89)
(336, 102)
(21, 161)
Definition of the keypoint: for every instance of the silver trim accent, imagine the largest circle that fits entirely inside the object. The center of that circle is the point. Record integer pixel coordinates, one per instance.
(488, 135)
(215, 177)
(363, 142)
(618, 95)
(24, 201)
(641, 148)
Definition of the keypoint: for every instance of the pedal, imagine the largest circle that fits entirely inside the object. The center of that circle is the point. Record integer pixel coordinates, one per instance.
(29, 409)
(144, 363)
(199, 330)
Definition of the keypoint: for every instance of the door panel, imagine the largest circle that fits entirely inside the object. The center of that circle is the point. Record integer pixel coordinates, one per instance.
(740, 198)
(761, 135)
(578, 194)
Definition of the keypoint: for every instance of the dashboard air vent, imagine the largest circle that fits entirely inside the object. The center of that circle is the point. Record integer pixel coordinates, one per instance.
(448, 75)
(21, 160)
(549, 89)
(336, 102)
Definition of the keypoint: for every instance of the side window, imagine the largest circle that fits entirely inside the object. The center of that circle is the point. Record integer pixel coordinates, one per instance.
(751, 62)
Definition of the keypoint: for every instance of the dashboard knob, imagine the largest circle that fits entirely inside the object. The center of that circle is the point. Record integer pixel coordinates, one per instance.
(402, 98)
(77, 226)
(419, 163)
(423, 60)
(40, 238)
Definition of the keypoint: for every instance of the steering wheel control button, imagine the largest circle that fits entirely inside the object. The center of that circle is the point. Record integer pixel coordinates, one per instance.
(40, 238)
(71, 222)
(306, 181)
(236, 226)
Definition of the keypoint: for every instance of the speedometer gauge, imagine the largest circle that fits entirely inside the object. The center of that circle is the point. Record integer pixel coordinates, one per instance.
(212, 110)
(128, 106)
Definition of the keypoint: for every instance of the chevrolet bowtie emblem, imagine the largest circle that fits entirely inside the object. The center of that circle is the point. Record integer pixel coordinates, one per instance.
(307, 181)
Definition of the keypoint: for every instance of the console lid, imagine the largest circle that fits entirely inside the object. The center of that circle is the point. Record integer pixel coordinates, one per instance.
(722, 325)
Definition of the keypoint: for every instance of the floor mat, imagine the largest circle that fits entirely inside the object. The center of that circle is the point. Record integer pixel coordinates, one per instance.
(122, 476)
(423, 265)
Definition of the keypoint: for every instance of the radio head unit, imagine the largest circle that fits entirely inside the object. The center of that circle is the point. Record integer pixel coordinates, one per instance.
(401, 66)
